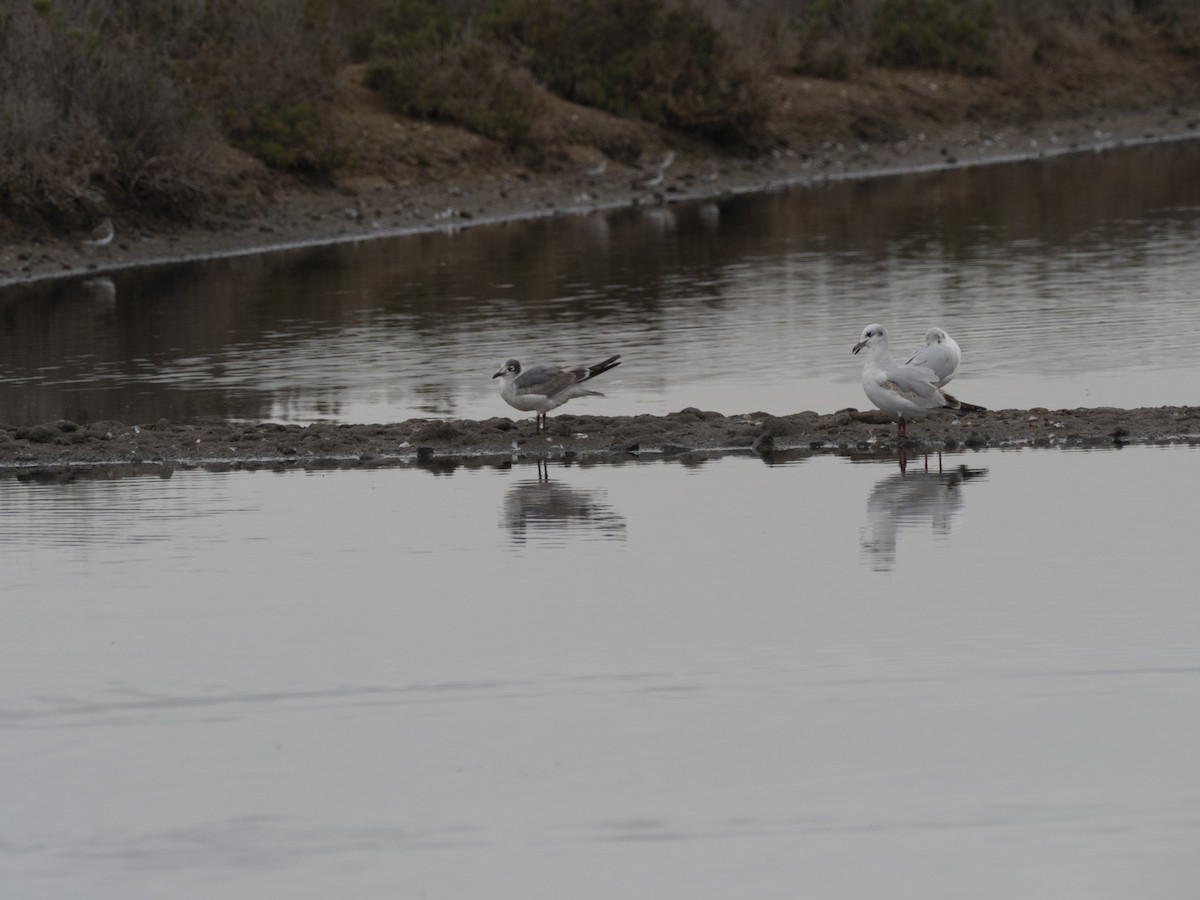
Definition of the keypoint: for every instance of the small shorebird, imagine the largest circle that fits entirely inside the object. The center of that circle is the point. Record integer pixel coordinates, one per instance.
(903, 390)
(710, 171)
(545, 387)
(596, 169)
(652, 172)
(648, 180)
(663, 162)
(940, 353)
(102, 235)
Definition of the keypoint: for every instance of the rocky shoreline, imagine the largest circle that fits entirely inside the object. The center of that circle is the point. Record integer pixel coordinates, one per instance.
(67, 446)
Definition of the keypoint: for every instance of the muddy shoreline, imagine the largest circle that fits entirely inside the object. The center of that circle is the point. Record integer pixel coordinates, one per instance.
(366, 209)
(438, 443)
(319, 218)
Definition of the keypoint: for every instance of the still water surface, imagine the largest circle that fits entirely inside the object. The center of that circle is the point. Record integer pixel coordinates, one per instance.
(697, 678)
(1068, 282)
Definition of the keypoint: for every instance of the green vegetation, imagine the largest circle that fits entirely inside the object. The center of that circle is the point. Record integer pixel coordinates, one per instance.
(110, 105)
(637, 58)
(951, 35)
(465, 81)
(824, 31)
(261, 71)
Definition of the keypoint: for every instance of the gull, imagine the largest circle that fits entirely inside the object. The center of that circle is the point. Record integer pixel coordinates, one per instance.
(904, 390)
(545, 387)
(940, 353)
(102, 235)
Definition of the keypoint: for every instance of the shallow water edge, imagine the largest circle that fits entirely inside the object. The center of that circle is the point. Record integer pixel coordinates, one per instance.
(552, 196)
(422, 441)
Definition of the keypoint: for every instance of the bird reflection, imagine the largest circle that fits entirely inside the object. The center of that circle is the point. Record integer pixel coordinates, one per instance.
(553, 513)
(710, 216)
(659, 220)
(100, 289)
(902, 459)
(909, 501)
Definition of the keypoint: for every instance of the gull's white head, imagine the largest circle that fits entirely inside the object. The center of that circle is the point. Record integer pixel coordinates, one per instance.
(935, 336)
(509, 370)
(873, 336)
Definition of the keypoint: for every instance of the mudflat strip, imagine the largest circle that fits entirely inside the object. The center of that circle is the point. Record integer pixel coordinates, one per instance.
(65, 444)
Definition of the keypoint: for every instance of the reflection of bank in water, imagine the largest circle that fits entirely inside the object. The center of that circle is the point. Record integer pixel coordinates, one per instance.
(554, 514)
(908, 501)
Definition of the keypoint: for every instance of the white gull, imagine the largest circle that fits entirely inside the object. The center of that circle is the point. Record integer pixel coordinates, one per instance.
(545, 387)
(904, 390)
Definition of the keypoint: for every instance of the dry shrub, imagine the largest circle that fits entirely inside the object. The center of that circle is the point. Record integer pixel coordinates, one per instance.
(107, 104)
(468, 82)
(88, 120)
(1073, 35)
(951, 35)
(263, 69)
(643, 58)
(833, 38)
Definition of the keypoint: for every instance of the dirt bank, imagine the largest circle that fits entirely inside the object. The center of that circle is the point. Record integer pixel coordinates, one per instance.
(405, 175)
(66, 445)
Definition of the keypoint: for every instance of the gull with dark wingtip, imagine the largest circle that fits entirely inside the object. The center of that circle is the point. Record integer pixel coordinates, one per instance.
(542, 388)
(904, 390)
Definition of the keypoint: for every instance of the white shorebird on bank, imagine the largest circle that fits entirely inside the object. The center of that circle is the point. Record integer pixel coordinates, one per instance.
(595, 169)
(941, 353)
(904, 390)
(101, 236)
(648, 180)
(542, 388)
(663, 162)
(652, 173)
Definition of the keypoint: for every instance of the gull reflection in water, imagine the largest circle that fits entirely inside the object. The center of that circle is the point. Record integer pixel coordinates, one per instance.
(910, 501)
(555, 514)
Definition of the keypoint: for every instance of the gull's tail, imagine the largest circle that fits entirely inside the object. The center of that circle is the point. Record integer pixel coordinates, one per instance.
(958, 408)
(601, 367)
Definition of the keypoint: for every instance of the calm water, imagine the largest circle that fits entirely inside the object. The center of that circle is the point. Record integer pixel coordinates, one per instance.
(701, 678)
(1071, 282)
